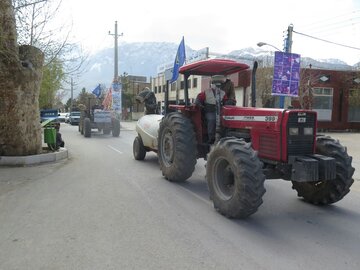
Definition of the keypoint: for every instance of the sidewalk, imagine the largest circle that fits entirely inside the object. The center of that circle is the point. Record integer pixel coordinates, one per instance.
(128, 125)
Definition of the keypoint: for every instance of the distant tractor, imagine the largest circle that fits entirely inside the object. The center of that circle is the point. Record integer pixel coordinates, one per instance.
(252, 144)
(97, 118)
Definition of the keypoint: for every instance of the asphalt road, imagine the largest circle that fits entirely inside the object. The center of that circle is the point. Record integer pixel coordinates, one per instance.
(101, 209)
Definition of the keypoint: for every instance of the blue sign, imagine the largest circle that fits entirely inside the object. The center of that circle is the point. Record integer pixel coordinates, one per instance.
(116, 86)
(286, 77)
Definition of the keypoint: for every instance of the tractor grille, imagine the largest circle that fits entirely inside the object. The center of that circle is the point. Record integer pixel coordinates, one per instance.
(301, 143)
(268, 145)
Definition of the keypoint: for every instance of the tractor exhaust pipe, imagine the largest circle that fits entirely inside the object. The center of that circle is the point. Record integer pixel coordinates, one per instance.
(253, 84)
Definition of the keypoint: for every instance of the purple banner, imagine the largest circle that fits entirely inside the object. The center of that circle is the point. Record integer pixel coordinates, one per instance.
(286, 74)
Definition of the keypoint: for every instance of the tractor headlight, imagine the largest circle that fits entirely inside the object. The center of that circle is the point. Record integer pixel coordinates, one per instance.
(293, 131)
(308, 131)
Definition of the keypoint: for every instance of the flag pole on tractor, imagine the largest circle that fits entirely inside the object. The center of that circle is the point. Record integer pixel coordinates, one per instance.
(173, 74)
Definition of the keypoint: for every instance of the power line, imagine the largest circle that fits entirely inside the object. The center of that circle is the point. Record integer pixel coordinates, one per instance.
(339, 44)
(317, 25)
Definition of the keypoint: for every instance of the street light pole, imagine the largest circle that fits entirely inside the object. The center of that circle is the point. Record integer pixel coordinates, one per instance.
(260, 44)
(287, 49)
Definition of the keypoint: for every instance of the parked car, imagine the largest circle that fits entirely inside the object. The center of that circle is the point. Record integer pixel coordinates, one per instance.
(62, 116)
(74, 118)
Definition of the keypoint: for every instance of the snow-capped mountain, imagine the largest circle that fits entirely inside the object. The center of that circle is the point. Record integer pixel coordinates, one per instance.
(143, 59)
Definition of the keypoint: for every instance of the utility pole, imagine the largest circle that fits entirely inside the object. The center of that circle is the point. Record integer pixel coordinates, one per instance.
(287, 49)
(116, 36)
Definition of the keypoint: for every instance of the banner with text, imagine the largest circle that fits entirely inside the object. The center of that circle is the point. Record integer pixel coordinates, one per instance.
(286, 74)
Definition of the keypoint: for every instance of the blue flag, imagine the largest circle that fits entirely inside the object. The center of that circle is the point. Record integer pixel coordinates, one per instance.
(97, 91)
(179, 61)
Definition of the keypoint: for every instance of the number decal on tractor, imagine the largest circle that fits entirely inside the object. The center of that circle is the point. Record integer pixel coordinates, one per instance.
(270, 118)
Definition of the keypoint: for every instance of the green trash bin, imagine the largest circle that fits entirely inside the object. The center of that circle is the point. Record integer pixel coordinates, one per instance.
(50, 135)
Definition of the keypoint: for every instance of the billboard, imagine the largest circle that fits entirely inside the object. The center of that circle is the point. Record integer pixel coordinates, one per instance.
(116, 96)
(286, 74)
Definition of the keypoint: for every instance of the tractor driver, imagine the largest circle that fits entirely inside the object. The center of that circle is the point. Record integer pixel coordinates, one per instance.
(209, 100)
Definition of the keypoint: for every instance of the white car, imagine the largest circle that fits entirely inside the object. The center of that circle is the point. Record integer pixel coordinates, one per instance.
(67, 117)
(74, 118)
(62, 117)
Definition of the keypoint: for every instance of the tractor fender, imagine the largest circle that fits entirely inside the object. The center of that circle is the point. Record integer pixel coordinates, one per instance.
(147, 127)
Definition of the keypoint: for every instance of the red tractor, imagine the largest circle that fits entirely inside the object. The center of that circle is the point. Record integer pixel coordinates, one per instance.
(252, 144)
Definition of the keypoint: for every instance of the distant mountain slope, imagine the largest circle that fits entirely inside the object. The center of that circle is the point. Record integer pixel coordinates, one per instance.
(144, 58)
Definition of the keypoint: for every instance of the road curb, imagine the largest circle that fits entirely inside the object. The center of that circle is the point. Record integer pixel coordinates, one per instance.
(62, 153)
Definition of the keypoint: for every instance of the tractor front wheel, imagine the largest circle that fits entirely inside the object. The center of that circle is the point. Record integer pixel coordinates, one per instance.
(115, 128)
(331, 191)
(235, 178)
(176, 147)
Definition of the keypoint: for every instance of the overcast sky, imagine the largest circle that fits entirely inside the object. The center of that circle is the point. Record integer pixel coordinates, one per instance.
(222, 25)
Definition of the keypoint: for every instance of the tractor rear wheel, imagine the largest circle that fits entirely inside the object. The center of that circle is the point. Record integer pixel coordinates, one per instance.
(235, 178)
(139, 150)
(328, 192)
(176, 147)
(87, 128)
(81, 127)
(115, 128)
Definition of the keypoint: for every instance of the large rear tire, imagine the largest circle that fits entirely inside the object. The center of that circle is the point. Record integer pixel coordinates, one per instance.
(87, 128)
(176, 147)
(139, 150)
(328, 192)
(235, 178)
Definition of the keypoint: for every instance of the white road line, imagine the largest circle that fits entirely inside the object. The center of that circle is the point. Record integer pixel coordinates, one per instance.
(115, 149)
(197, 196)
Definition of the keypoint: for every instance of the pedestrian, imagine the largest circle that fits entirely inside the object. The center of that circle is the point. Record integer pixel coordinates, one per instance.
(59, 141)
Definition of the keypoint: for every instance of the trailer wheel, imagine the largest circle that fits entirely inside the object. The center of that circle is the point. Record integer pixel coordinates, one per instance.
(235, 178)
(328, 192)
(139, 150)
(176, 147)
(87, 128)
(115, 128)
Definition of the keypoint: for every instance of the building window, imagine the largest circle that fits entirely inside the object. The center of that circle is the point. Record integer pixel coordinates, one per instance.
(164, 87)
(159, 88)
(323, 102)
(354, 105)
(173, 86)
(194, 82)
(189, 83)
(182, 85)
(155, 89)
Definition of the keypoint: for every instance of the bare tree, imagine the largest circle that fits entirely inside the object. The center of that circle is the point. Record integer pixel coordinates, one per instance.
(34, 23)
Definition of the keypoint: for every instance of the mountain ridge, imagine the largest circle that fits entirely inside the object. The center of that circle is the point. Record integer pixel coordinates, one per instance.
(143, 58)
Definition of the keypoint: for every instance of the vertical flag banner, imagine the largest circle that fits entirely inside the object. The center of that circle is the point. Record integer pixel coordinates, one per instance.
(97, 91)
(286, 74)
(116, 96)
(179, 60)
(108, 100)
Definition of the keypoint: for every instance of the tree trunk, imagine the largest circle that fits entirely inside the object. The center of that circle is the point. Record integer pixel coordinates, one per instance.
(20, 79)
